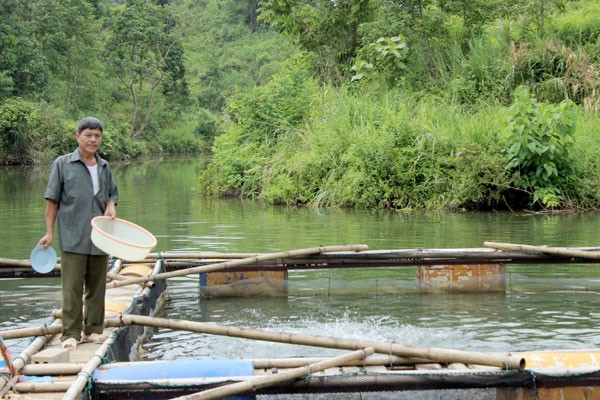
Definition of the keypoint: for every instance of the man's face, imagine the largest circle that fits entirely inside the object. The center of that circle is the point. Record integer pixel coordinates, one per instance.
(89, 140)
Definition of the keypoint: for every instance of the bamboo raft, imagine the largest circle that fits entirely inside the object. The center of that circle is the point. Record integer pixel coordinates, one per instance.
(110, 370)
(34, 374)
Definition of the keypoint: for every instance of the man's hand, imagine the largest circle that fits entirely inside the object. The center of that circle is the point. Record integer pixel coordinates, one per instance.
(46, 240)
(110, 210)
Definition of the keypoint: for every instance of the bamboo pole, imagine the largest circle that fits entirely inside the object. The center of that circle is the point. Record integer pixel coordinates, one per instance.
(20, 262)
(80, 383)
(432, 354)
(199, 254)
(260, 382)
(51, 369)
(15, 262)
(562, 251)
(238, 263)
(377, 254)
(374, 360)
(45, 329)
(116, 277)
(31, 331)
(20, 361)
(260, 363)
(43, 387)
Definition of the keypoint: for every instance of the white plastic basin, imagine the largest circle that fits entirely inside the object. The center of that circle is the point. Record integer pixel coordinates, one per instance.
(122, 239)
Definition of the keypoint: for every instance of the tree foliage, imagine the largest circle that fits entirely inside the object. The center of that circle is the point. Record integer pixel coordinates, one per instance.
(327, 29)
(144, 49)
(26, 134)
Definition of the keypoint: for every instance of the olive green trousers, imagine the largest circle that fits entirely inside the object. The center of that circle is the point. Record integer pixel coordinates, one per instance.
(83, 279)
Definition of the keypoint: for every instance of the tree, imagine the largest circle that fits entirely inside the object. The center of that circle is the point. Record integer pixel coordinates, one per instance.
(23, 71)
(143, 50)
(327, 29)
(69, 32)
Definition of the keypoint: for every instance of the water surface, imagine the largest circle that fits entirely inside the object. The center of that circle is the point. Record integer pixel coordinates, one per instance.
(545, 306)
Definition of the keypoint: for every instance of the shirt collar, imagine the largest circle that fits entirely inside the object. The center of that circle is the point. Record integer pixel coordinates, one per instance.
(76, 156)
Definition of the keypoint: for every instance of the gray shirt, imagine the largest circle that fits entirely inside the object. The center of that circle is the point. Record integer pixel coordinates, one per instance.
(70, 185)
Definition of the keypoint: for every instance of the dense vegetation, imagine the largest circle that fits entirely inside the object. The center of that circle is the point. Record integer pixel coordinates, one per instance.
(357, 103)
(421, 104)
(157, 73)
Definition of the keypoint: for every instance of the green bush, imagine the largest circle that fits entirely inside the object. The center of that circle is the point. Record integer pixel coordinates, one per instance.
(540, 138)
(270, 110)
(28, 134)
(207, 125)
(178, 142)
(261, 118)
(235, 169)
(117, 143)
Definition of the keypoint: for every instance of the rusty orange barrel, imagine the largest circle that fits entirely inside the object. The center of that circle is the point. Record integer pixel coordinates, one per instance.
(461, 278)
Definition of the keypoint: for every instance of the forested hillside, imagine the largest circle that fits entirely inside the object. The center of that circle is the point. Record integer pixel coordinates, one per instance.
(421, 104)
(158, 73)
(412, 104)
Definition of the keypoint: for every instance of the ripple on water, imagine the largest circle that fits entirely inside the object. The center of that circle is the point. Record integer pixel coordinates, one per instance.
(480, 323)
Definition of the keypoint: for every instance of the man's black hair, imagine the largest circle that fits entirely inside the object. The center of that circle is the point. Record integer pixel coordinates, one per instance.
(89, 123)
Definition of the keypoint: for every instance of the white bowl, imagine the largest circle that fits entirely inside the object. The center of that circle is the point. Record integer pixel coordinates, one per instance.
(122, 239)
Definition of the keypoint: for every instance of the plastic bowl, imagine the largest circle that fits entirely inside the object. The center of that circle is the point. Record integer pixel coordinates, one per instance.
(43, 260)
(122, 239)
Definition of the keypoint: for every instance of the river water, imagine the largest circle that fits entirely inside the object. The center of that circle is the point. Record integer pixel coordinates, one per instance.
(545, 306)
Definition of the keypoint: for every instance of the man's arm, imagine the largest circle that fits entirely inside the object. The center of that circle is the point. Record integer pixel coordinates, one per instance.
(51, 213)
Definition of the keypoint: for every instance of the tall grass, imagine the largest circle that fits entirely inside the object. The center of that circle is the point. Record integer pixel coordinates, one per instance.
(388, 150)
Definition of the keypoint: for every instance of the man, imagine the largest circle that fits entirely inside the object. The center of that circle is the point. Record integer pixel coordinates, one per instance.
(81, 186)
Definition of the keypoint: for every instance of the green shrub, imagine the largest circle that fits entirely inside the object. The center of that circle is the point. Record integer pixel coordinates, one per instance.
(207, 124)
(540, 139)
(555, 72)
(583, 191)
(117, 143)
(478, 178)
(268, 111)
(177, 142)
(385, 58)
(261, 118)
(28, 134)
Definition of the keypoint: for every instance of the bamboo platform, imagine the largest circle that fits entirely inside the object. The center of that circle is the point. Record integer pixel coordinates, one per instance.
(47, 371)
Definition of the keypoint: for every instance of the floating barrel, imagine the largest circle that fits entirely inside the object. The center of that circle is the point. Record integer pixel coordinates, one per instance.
(244, 283)
(176, 369)
(136, 270)
(578, 363)
(163, 375)
(461, 278)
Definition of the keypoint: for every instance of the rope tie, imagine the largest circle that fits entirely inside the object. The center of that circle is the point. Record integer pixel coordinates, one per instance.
(534, 386)
(22, 359)
(84, 374)
(391, 354)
